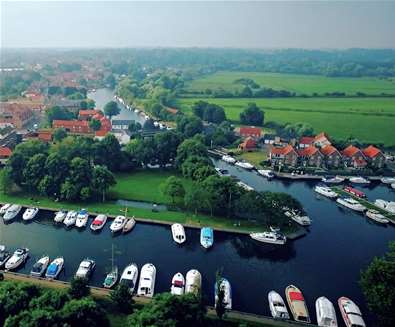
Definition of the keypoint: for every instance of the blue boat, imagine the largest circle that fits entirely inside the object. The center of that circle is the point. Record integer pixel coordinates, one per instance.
(54, 268)
(206, 237)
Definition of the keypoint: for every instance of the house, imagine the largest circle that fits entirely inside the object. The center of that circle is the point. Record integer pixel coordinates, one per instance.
(100, 134)
(73, 126)
(5, 153)
(305, 142)
(332, 156)
(374, 156)
(311, 156)
(249, 131)
(17, 114)
(269, 138)
(121, 124)
(87, 114)
(321, 140)
(249, 144)
(353, 157)
(283, 155)
(43, 135)
(8, 136)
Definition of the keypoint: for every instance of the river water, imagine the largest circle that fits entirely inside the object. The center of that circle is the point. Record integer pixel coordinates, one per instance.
(326, 262)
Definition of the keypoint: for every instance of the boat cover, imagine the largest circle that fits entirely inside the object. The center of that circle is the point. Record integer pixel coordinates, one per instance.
(97, 222)
(53, 267)
(296, 296)
(178, 283)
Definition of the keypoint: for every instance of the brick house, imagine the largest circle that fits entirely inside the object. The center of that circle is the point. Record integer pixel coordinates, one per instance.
(321, 140)
(332, 156)
(16, 114)
(283, 155)
(5, 153)
(250, 131)
(310, 156)
(353, 157)
(249, 144)
(73, 126)
(374, 156)
(87, 114)
(305, 142)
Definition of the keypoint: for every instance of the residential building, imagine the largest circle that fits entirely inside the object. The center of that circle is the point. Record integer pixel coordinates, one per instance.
(305, 142)
(269, 138)
(374, 156)
(19, 115)
(321, 140)
(332, 156)
(249, 131)
(5, 153)
(283, 156)
(310, 156)
(73, 126)
(353, 157)
(87, 114)
(121, 124)
(249, 144)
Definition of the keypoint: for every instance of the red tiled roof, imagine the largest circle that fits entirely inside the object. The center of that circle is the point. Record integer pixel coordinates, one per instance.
(327, 150)
(101, 133)
(306, 140)
(71, 123)
(249, 143)
(308, 152)
(371, 151)
(88, 112)
(350, 151)
(45, 136)
(359, 162)
(321, 137)
(5, 151)
(282, 150)
(250, 131)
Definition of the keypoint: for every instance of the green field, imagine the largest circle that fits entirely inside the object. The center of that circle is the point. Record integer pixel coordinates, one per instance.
(371, 120)
(300, 84)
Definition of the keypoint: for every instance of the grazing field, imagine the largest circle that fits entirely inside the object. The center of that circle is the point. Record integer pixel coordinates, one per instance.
(368, 119)
(300, 84)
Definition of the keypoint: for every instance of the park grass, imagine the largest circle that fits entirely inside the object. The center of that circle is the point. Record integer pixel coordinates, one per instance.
(300, 84)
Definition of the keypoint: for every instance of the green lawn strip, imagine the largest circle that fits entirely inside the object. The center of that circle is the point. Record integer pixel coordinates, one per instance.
(255, 157)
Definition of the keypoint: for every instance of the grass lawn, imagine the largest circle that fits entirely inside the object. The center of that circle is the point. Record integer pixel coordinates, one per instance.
(255, 157)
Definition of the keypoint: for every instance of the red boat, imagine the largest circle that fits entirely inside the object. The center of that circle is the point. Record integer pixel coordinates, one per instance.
(354, 191)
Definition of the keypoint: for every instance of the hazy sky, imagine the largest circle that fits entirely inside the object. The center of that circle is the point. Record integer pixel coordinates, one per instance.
(314, 24)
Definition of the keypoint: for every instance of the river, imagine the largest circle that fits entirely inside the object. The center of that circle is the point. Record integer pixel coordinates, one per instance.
(326, 262)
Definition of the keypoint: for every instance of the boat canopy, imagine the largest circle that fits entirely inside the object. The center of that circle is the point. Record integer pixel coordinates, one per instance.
(53, 267)
(296, 296)
(207, 232)
(178, 283)
(97, 222)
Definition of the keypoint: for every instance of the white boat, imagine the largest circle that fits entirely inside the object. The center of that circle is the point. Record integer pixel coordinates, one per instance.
(30, 213)
(359, 180)
(333, 179)
(227, 289)
(117, 224)
(376, 216)
(40, 267)
(266, 173)
(129, 277)
(71, 218)
(351, 314)
(277, 306)
(301, 220)
(18, 258)
(393, 186)
(177, 284)
(273, 237)
(136, 111)
(54, 268)
(111, 278)
(147, 280)
(60, 216)
(326, 314)
(326, 191)
(4, 255)
(85, 268)
(351, 203)
(99, 222)
(130, 223)
(388, 206)
(82, 218)
(228, 159)
(178, 232)
(297, 304)
(4, 208)
(222, 172)
(12, 212)
(193, 282)
(244, 164)
(245, 186)
(206, 237)
(388, 180)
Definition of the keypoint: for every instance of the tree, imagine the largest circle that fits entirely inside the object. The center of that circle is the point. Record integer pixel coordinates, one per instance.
(190, 147)
(195, 199)
(252, 115)
(34, 170)
(59, 134)
(112, 109)
(166, 147)
(95, 124)
(108, 152)
(220, 306)
(55, 113)
(122, 298)
(79, 288)
(173, 188)
(378, 286)
(134, 127)
(102, 180)
(5, 180)
(32, 318)
(189, 126)
(83, 312)
(193, 165)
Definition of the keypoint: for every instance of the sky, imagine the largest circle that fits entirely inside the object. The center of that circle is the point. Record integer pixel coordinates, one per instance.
(238, 24)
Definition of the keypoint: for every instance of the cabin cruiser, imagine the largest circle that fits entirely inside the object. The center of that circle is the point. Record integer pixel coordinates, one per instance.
(54, 268)
(351, 314)
(85, 269)
(12, 212)
(359, 180)
(245, 186)
(40, 267)
(266, 173)
(388, 180)
(227, 289)
(130, 223)
(376, 216)
(301, 220)
(351, 203)
(82, 218)
(178, 232)
(297, 304)
(71, 218)
(117, 224)
(111, 278)
(18, 258)
(206, 237)
(177, 284)
(386, 205)
(99, 222)
(30, 213)
(244, 164)
(193, 282)
(60, 216)
(129, 277)
(147, 280)
(228, 159)
(4, 208)
(326, 314)
(273, 237)
(333, 179)
(354, 192)
(4, 255)
(277, 306)
(326, 191)
(222, 172)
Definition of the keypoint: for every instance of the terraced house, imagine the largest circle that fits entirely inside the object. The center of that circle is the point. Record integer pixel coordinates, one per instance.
(354, 157)
(310, 157)
(332, 156)
(374, 156)
(284, 156)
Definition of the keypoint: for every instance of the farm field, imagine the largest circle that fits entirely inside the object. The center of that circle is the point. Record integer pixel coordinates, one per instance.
(371, 120)
(300, 84)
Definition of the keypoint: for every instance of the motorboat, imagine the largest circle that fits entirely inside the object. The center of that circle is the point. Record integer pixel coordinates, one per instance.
(299, 219)
(325, 191)
(12, 212)
(222, 172)
(111, 278)
(273, 237)
(326, 314)
(376, 216)
(224, 285)
(54, 268)
(388, 206)
(193, 282)
(147, 280)
(351, 203)
(266, 173)
(385, 180)
(359, 180)
(18, 258)
(30, 213)
(129, 277)
(206, 237)
(393, 186)
(351, 314)
(228, 159)
(99, 222)
(333, 179)
(177, 284)
(82, 218)
(130, 223)
(354, 192)
(60, 216)
(4, 208)
(86, 268)
(277, 306)
(4, 255)
(40, 267)
(297, 304)
(244, 164)
(178, 232)
(245, 186)
(118, 224)
(71, 218)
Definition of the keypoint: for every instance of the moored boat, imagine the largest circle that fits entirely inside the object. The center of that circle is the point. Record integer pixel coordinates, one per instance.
(177, 284)
(393, 186)
(266, 173)
(4, 255)
(244, 164)
(85, 269)
(130, 223)
(225, 286)
(388, 206)
(272, 237)
(222, 172)
(193, 282)
(333, 179)
(54, 268)
(325, 191)
(40, 266)
(326, 314)
(277, 306)
(297, 304)
(147, 280)
(129, 277)
(118, 224)
(18, 258)
(359, 180)
(302, 220)
(99, 222)
(60, 216)
(71, 218)
(245, 186)
(111, 278)
(228, 159)
(4, 208)
(12, 212)
(178, 233)
(388, 180)
(355, 192)
(376, 216)
(206, 237)
(351, 203)
(82, 218)
(30, 213)
(350, 312)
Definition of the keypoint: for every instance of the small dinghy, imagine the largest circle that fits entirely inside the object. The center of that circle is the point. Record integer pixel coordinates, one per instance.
(206, 237)
(130, 223)
(326, 314)
(111, 278)
(118, 224)
(297, 304)
(193, 282)
(82, 218)
(177, 284)
(224, 285)
(55, 268)
(71, 218)
(147, 280)
(4, 255)
(178, 232)
(99, 222)
(30, 213)
(351, 313)
(17, 259)
(129, 277)
(40, 267)
(60, 216)
(277, 306)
